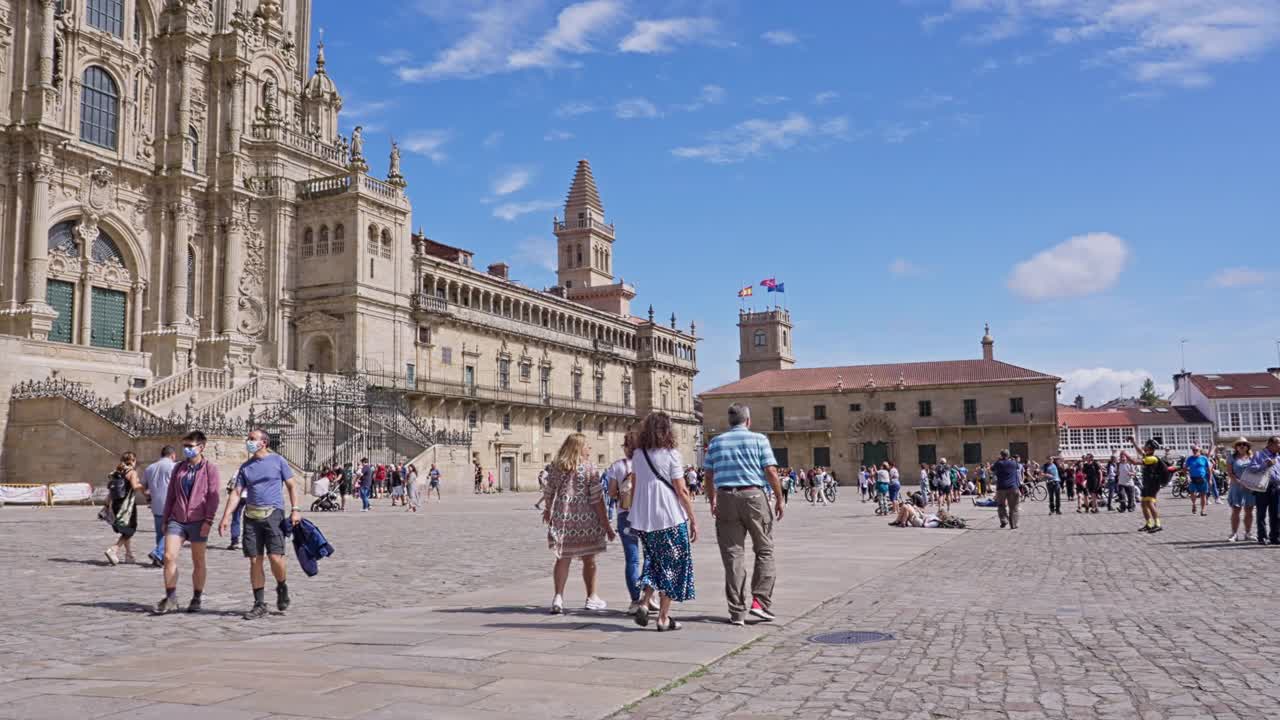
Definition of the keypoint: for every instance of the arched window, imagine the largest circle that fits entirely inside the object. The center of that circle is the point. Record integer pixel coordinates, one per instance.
(372, 245)
(339, 244)
(99, 108)
(759, 339)
(386, 243)
(579, 255)
(308, 243)
(322, 246)
(106, 15)
(784, 339)
(193, 138)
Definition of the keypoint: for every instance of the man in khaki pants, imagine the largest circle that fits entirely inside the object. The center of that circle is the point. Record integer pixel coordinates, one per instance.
(1008, 489)
(739, 467)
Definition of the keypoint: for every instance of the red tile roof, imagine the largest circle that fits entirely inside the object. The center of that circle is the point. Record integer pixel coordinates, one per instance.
(1237, 385)
(1130, 417)
(885, 377)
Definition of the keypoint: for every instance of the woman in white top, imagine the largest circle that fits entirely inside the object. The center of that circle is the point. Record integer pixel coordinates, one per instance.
(621, 478)
(662, 512)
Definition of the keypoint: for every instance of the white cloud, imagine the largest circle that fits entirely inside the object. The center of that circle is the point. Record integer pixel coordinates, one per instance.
(759, 136)
(905, 268)
(493, 139)
(770, 99)
(355, 110)
(480, 51)
(899, 133)
(988, 65)
(574, 108)
(1172, 42)
(661, 36)
(635, 108)
(511, 211)
(825, 97)
(780, 37)
(930, 100)
(710, 95)
(572, 34)
(1082, 265)
(394, 57)
(1238, 277)
(537, 252)
(428, 143)
(511, 180)
(557, 136)
(1099, 385)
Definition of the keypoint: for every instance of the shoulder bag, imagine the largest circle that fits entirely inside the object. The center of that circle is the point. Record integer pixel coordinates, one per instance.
(658, 474)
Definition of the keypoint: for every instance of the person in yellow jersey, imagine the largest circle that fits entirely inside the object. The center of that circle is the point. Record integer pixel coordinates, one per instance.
(1155, 475)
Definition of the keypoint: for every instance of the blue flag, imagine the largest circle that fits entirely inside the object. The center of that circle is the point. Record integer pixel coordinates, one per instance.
(780, 287)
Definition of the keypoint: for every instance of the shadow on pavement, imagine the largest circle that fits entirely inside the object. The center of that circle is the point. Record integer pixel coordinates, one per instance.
(499, 610)
(1221, 545)
(82, 561)
(141, 609)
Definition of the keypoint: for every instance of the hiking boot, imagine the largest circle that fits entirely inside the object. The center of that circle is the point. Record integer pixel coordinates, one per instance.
(194, 605)
(167, 605)
(282, 598)
(259, 610)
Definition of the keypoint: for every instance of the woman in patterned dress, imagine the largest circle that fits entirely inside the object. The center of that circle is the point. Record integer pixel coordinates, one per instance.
(576, 519)
(662, 513)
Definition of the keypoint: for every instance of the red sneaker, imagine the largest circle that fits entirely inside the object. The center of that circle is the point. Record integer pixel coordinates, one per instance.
(755, 604)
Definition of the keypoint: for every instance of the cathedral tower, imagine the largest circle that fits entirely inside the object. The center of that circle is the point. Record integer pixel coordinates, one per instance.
(584, 244)
(765, 341)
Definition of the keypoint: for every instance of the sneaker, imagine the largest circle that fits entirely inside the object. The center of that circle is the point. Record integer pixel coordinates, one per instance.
(155, 561)
(762, 613)
(1157, 528)
(557, 605)
(1203, 513)
(1248, 536)
(167, 605)
(1145, 528)
(596, 603)
(282, 598)
(129, 559)
(194, 605)
(1233, 538)
(634, 608)
(259, 610)
(235, 545)
(738, 622)
(111, 555)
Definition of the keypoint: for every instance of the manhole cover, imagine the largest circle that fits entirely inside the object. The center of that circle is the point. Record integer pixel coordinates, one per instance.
(850, 637)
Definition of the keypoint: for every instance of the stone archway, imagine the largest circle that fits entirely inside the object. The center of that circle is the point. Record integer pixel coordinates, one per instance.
(318, 354)
(872, 439)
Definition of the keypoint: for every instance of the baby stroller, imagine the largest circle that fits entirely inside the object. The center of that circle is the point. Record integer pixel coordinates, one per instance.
(329, 502)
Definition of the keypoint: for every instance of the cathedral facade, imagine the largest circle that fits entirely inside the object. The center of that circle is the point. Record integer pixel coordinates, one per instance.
(182, 225)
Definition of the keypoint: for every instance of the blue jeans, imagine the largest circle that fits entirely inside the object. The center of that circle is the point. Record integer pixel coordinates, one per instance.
(631, 554)
(364, 497)
(235, 522)
(158, 553)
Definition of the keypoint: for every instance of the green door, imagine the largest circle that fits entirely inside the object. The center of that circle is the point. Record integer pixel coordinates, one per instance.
(874, 453)
(62, 297)
(108, 319)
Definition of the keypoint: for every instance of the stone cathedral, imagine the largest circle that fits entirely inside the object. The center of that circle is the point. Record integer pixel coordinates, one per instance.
(184, 228)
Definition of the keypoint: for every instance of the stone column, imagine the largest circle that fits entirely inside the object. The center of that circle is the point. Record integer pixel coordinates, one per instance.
(231, 267)
(37, 260)
(235, 86)
(135, 312)
(46, 42)
(178, 262)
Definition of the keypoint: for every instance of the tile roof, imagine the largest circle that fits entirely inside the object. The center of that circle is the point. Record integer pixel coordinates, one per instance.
(1130, 417)
(1237, 385)
(885, 377)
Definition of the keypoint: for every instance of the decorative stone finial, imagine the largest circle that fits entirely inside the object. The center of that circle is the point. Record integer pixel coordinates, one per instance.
(650, 313)
(673, 321)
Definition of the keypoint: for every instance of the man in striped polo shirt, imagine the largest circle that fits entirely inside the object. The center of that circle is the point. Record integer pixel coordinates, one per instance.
(739, 467)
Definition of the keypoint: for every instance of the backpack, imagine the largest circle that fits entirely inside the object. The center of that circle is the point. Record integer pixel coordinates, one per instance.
(953, 522)
(117, 486)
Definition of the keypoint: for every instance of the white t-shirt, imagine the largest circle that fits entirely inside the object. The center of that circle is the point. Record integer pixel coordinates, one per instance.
(617, 472)
(655, 506)
(894, 477)
(1124, 474)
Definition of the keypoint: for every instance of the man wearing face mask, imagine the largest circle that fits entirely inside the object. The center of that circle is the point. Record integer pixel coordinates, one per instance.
(260, 481)
(189, 507)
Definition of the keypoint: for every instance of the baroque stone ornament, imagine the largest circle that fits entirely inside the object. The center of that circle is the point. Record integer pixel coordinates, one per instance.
(99, 188)
(253, 313)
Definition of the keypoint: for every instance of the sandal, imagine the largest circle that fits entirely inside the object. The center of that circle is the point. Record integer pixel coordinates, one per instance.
(671, 625)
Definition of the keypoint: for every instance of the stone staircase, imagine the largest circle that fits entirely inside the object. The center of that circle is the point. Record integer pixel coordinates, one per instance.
(200, 390)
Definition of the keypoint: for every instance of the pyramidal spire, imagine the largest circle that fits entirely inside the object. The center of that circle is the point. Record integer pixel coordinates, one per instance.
(583, 193)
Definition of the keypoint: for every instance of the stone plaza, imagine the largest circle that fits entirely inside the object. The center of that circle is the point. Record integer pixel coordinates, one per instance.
(442, 614)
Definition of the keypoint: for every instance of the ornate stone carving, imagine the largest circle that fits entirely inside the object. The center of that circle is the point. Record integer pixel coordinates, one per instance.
(99, 187)
(253, 315)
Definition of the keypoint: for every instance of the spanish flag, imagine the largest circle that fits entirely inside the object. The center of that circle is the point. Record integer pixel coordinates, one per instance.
(746, 291)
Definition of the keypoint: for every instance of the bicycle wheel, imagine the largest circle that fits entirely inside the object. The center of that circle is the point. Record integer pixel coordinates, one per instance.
(1039, 493)
(1179, 490)
(808, 494)
(831, 494)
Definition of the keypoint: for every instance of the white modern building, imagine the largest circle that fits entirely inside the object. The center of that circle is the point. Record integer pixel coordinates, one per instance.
(1101, 432)
(1238, 404)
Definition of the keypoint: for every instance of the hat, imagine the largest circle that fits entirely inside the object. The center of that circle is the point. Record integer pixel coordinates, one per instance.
(1154, 444)
(1241, 441)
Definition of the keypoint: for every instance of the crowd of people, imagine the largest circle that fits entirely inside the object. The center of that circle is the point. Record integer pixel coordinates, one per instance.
(372, 481)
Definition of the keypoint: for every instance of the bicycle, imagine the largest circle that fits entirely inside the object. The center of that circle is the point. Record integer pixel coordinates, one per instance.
(830, 491)
(1179, 486)
(1035, 490)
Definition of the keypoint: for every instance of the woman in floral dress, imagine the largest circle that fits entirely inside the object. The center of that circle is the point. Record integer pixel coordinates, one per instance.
(577, 523)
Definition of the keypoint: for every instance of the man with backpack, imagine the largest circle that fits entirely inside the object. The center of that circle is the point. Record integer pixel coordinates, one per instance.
(1155, 475)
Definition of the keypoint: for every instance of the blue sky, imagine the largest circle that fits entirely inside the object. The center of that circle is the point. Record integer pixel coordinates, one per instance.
(1095, 178)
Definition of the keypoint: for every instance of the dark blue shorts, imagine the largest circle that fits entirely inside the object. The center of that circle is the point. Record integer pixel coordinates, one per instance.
(187, 531)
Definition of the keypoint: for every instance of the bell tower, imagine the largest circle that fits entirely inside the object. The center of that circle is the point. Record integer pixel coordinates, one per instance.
(765, 342)
(584, 240)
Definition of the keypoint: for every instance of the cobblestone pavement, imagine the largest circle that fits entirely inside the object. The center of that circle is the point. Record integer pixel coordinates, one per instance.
(1075, 617)
(64, 602)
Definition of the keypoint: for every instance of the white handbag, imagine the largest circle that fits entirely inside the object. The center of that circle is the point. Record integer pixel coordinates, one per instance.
(1255, 480)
